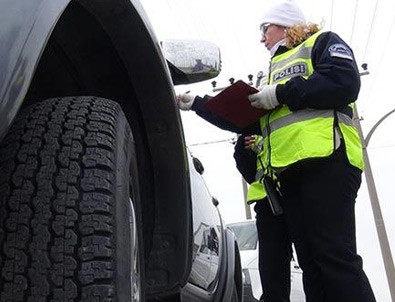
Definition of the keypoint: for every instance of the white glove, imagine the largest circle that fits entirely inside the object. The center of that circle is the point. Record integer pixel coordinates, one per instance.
(265, 99)
(185, 101)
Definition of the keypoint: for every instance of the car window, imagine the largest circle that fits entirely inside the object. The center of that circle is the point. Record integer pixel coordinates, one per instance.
(246, 235)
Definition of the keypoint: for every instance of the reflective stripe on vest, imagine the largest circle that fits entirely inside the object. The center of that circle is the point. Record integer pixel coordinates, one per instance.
(294, 62)
(259, 174)
(304, 115)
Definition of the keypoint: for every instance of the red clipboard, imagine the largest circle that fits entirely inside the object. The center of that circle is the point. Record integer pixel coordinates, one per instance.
(233, 105)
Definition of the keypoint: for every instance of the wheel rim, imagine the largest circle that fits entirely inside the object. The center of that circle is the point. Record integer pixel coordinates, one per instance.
(135, 265)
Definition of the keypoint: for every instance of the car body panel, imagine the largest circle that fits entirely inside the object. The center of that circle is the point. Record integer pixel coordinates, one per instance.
(213, 246)
(205, 222)
(26, 27)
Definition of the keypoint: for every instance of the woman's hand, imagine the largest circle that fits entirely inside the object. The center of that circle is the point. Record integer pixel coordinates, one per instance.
(249, 142)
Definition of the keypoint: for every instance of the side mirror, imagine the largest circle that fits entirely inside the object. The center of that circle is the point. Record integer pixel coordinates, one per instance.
(191, 61)
(198, 165)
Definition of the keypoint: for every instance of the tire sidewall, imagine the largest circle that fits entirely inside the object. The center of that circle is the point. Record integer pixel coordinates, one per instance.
(127, 195)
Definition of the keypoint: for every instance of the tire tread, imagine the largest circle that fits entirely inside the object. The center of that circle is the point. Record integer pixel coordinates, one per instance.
(56, 205)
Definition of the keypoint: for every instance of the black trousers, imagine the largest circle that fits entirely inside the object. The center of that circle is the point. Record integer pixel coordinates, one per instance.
(274, 254)
(319, 204)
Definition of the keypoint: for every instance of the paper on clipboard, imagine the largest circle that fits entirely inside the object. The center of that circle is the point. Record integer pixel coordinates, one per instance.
(233, 105)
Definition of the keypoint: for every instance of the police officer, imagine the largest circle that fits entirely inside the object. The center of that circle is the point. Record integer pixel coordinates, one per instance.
(275, 250)
(312, 147)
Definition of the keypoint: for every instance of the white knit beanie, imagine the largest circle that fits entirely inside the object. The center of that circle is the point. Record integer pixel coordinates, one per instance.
(284, 13)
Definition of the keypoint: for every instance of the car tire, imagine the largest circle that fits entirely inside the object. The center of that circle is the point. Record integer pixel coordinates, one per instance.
(70, 224)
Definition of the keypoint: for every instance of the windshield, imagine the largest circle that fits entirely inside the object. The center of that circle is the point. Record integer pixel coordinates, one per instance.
(246, 235)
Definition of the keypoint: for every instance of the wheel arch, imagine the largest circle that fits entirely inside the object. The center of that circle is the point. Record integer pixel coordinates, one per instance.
(231, 274)
(108, 49)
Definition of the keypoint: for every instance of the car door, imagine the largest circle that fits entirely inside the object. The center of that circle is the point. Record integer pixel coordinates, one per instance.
(207, 224)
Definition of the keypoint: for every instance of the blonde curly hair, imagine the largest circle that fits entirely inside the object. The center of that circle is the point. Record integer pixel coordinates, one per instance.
(298, 33)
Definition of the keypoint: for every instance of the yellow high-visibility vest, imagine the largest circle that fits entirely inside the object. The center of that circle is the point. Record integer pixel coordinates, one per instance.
(256, 191)
(290, 136)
